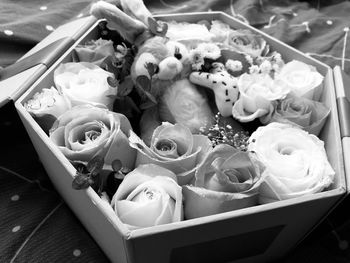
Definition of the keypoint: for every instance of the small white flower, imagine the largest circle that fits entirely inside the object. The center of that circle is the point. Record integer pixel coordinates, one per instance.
(276, 68)
(265, 67)
(197, 60)
(277, 58)
(48, 101)
(234, 65)
(249, 59)
(254, 69)
(209, 50)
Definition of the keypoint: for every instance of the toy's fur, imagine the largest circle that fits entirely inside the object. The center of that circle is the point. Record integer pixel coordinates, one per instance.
(157, 47)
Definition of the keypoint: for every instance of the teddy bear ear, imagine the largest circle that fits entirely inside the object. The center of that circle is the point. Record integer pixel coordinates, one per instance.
(125, 23)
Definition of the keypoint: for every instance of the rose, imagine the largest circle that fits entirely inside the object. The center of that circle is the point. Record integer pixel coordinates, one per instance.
(307, 114)
(85, 83)
(86, 131)
(173, 147)
(245, 41)
(148, 196)
(183, 103)
(257, 92)
(226, 180)
(295, 162)
(95, 51)
(208, 50)
(46, 106)
(302, 79)
(220, 31)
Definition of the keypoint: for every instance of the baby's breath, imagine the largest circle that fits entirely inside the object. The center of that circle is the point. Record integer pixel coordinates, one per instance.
(222, 133)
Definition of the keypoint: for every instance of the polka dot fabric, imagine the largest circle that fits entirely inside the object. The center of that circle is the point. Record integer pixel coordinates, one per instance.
(25, 23)
(35, 224)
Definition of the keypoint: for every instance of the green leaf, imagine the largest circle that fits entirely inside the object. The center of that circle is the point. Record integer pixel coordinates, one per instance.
(151, 68)
(147, 104)
(95, 165)
(112, 82)
(128, 61)
(125, 87)
(117, 165)
(157, 28)
(81, 181)
(109, 64)
(119, 176)
(143, 83)
(151, 97)
(125, 170)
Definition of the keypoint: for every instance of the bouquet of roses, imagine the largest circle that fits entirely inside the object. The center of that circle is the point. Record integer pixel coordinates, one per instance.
(203, 121)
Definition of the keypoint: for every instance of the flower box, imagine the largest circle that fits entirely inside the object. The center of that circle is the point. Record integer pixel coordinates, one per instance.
(255, 234)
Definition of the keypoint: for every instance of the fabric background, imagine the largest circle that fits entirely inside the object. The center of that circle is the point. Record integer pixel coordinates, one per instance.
(35, 223)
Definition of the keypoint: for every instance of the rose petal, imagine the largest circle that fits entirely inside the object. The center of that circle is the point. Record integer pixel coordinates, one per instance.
(202, 202)
(166, 148)
(95, 51)
(239, 112)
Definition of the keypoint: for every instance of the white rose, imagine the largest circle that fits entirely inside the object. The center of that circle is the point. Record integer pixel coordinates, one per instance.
(85, 83)
(302, 79)
(295, 162)
(257, 92)
(148, 196)
(46, 106)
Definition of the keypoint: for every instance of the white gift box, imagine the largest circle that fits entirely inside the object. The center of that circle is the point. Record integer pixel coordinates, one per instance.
(255, 234)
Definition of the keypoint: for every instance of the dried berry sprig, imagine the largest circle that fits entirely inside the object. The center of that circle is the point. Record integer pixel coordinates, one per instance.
(89, 174)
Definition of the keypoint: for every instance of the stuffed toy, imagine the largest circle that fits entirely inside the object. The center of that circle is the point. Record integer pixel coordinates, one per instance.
(158, 59)
(160, 64)
(222, 83)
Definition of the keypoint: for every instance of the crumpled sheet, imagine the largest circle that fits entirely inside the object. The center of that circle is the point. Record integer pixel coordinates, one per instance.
(35, 223)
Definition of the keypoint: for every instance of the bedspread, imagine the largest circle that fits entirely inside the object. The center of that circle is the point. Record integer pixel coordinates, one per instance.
(35, 223)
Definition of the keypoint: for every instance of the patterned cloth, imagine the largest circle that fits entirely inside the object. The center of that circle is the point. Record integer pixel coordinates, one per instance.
(37, 226)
